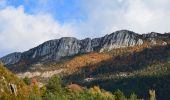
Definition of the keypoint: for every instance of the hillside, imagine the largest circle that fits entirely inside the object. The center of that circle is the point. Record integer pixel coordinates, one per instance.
(11, 87)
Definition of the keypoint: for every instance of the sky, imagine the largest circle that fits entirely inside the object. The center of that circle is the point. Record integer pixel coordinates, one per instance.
(25, 24)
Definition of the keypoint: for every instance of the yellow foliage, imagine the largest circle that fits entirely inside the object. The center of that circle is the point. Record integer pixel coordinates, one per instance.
(152, 94)
(7, 77)
(95, 90)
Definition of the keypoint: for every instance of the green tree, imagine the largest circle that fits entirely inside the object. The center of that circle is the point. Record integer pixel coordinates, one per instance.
(133, 96)
(54, 85)
(27, 81)
(49, 96)
(119, 95)
(54, 90)
(36, 90)
(33, 96)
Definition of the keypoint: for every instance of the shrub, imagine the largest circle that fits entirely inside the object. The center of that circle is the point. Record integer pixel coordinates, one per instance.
(27, 81)
(49, 96)
(133, 96)
(152, 94)
(119, 95)
(54, 85)
(33, 96)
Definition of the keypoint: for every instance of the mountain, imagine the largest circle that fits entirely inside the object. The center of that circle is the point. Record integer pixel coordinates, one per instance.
(69, 46)
(123, 59)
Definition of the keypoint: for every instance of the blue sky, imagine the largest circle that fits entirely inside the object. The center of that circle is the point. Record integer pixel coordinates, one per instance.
(62, 10)
(27, 23)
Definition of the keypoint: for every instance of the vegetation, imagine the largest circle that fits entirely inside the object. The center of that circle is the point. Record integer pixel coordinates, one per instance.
(55, 90)
(27, 81)
(11, 87)
(137, 71)
(128, 73)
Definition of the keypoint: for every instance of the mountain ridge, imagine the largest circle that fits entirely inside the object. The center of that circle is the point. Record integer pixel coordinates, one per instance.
(70, 46)
(112, 61)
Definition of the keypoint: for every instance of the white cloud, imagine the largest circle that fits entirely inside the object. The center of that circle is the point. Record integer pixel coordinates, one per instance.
(20, 31)
(142, 16)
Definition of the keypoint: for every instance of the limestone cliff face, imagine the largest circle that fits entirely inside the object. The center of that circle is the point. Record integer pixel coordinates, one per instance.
(55, 49)
(11, 58)
(70, 46)
(120, 39)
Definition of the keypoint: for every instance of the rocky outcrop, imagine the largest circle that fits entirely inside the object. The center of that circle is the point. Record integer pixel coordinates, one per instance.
(120, 39)
(156, 35)
(6, 86)
(45, 74)
(11, 58)
(70, 46)
(156, 38)
(13, 88)
(56, 49)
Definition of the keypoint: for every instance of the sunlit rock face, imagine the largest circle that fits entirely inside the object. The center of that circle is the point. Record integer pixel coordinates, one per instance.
(70, 46)
(120, 39)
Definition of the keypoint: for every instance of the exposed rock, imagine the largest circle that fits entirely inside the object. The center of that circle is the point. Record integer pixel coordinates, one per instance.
(120, 39)
(11, 58)
(4, 85)
(156, 35)
(28, 74)
(88, 79)
(45, 74)
(1, 90)
(48, 74)
(153, 41)
(151, 35)
(56, 49)
(164, 43)
(70, 46)
(13, 89)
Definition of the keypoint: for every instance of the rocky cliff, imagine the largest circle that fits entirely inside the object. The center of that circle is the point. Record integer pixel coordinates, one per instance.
(11, 58)
(70, 46)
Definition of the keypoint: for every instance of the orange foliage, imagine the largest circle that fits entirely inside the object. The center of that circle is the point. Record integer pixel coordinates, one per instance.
(85, 60)
(75, 88)
(35, 87)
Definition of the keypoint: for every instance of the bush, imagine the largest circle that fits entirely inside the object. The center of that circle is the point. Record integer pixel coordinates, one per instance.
(49, 96)
(33, 96)
(54, 90)
(54, 85)
(27, 81)
(133, 96)
(119, 95)
(152, 94)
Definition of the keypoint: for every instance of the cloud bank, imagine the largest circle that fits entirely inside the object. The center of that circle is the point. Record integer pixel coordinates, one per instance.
(142, 16)
(20, 31)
